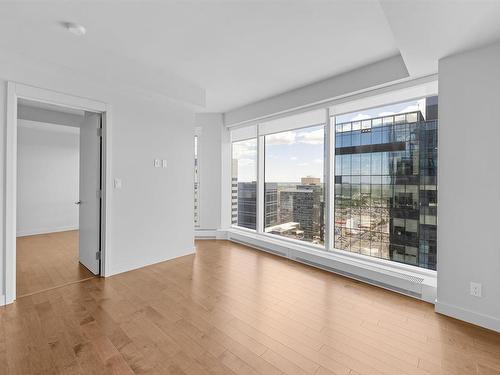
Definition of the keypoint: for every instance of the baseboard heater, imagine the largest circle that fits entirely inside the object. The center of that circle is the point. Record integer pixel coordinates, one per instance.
(364, 279)
(408, 284)
(253, 245)
(206, 234)
(205, 237)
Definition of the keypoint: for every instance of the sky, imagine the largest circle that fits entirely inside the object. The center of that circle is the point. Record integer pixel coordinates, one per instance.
(294, 154)
(410, 106)
(288, 156)
(300, 153)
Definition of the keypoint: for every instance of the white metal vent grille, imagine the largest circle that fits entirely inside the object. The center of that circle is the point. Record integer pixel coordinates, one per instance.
(276, 252)
(413, 279)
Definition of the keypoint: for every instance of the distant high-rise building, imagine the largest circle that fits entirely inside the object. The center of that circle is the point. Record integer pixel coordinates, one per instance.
(310, 180)
(244, 201)
(302, 205)
(234, 192)
(247, 204)
(271, 204)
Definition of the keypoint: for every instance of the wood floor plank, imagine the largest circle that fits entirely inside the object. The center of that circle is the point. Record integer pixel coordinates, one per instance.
(46, 261)
(227, 310)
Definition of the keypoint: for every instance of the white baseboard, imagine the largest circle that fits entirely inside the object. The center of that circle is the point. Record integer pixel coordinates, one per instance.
(32, 232)
(210, 234)
(482, 320)
(146, 263)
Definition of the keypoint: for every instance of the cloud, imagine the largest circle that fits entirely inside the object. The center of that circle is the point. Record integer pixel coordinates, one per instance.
(410, 108)
(244, 149)
(364, 116)
(360, 116)
(284, 138)
(302, 164)
(318, 161)
(387, 113)
(293, 158)
(246, 162)
(314, 137)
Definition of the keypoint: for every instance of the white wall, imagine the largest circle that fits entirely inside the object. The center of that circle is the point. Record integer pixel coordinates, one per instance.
(469, 182)
(3, 102)
(151, 217)
(367, 77)
(210, 164)
(47, 177)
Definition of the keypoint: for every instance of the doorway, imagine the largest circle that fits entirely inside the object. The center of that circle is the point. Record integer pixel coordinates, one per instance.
(58, 169)
(58, 196)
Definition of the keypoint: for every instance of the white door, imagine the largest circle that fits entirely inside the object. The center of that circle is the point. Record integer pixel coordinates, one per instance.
(90, 201)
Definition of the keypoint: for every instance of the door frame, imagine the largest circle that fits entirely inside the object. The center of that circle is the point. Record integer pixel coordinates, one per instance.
(17, 91)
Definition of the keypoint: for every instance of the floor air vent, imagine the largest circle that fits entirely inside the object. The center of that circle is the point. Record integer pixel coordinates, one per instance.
(412, 279)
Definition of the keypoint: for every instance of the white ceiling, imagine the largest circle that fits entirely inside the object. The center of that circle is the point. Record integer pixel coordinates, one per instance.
(426, 31)
(243, 51)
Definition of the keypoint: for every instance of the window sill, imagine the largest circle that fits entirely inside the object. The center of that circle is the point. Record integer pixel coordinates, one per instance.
(401, 278)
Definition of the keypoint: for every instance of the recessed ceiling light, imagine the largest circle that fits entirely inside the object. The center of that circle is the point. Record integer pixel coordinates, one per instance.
(75, 28)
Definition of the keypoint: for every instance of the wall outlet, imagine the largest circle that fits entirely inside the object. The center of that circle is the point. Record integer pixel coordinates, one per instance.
(475, 289)
(164, 163)
(157, 163)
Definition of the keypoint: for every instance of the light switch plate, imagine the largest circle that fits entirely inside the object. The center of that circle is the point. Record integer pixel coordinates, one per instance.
(157, 163)
(117, 183)
(475, 289)
(164, 163)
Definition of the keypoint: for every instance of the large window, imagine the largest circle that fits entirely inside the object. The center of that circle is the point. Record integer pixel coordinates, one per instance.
(385, 182)
(376, 196)
(294, 189)
(244, 184)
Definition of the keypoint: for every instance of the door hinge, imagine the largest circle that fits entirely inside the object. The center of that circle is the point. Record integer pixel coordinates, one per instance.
(98, 255)
(99, 132)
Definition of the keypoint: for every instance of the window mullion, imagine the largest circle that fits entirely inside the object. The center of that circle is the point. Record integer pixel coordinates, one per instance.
(329, 182)
(260, 209)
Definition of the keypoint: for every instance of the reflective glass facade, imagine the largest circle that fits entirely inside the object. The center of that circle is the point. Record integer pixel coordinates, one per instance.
(384, 198)
(386, 188)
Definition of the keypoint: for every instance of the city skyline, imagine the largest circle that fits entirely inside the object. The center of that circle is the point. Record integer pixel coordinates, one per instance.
(385, 183)
(297, 153)
(294, 210)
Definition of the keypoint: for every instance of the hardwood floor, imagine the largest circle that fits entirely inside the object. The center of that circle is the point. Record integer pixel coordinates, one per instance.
(48, 260)
(234, 310)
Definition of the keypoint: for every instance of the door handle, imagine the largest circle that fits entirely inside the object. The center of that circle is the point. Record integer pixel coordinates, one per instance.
(79, 202)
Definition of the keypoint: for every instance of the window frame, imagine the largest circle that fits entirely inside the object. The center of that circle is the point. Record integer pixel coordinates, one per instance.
(403, 92)
(236, 226)
(262, 179)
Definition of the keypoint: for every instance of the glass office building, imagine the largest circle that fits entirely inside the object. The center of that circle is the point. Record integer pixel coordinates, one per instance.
(386, 187)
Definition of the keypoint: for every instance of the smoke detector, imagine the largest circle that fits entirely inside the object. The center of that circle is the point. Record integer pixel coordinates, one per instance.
(75, 28)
